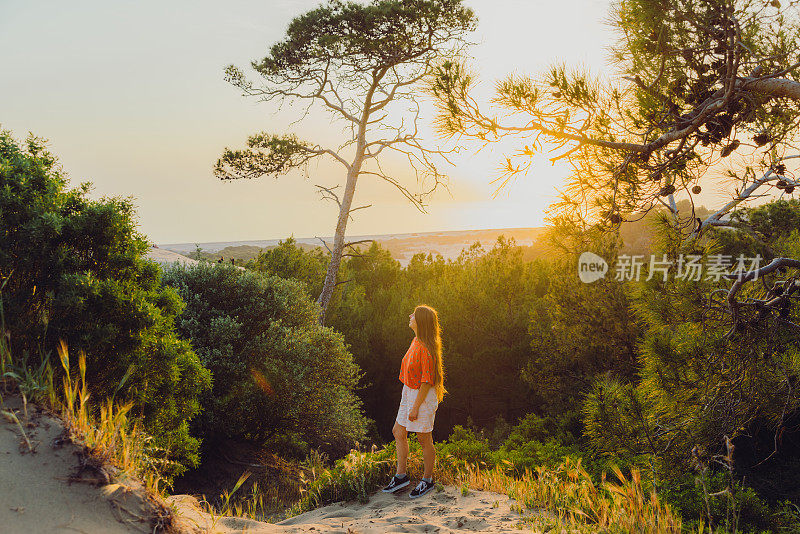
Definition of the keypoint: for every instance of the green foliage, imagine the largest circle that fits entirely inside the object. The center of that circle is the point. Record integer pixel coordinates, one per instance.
(34, 382)
(290, 261)
(533, 442)
(277, 372)
(372, 314)
(722, 499)
(532, 454)
(540, 441)
(266, 154)
(73, 269)
(769, 230)
(774, 220)
(535, 428)
(614, 418)
(484, 300)
(465, 446)
(579, 332)
(355, 476)
(695, 387)
(379, 35)
(702, 389)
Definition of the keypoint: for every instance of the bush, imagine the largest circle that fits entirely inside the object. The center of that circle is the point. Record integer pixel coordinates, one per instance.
(532, 454)
(533, 427)
(355, 476)
(755, 515)
(277, 372)
(73, 269)
(292, 261)
(464, 445)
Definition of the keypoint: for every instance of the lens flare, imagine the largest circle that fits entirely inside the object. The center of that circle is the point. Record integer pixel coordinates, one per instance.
(261, 381)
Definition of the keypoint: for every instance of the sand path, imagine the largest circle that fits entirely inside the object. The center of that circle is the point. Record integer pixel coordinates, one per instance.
(443, 512)
(36, 495)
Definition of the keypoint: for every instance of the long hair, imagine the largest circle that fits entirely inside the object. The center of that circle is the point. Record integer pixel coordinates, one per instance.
(430, 334)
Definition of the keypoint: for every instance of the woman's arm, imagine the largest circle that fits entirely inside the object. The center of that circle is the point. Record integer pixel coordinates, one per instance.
(424, 387)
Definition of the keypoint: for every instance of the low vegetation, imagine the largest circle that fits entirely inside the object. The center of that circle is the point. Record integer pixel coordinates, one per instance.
(113, 442)
(280, 379)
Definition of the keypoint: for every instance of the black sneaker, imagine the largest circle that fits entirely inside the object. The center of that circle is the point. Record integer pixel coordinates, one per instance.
(422, 488)
(396, 483)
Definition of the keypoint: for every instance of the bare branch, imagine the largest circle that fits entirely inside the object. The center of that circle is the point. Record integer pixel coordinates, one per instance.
(359, 242)
(365, 206)
(742, 278)
(325, 244)
(329, 194)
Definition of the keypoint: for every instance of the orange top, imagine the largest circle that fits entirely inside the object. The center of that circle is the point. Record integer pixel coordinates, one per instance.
(417, 366)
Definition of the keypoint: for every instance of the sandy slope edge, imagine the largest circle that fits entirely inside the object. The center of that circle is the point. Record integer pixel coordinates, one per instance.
(55, 488)
(443, 512)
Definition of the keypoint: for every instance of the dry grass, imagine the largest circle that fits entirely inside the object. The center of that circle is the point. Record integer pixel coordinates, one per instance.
(109, 435)
(112, 441)
(564, 498)
(266, 489)
(569, 496)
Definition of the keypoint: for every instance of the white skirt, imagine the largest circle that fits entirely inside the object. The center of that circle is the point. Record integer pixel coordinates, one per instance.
(427, 410)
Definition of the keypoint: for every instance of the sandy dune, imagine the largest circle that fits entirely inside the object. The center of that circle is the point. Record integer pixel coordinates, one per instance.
(47, 491)
(443, 512)
(167, 257)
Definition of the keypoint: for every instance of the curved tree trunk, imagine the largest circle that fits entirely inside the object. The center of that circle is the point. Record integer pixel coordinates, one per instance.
(338, 244)
(353, 172)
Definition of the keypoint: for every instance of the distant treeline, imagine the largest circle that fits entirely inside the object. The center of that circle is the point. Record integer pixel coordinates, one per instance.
(239, 253)
(636, 237)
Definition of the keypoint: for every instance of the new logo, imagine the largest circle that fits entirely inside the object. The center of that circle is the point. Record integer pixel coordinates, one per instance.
(591, 267)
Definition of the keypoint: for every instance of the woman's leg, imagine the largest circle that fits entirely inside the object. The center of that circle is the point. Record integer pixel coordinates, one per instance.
(401, 441)
(428, 452)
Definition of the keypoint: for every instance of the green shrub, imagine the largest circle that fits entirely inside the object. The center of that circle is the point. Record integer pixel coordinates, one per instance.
(755, 515)
(73, 269)
(533, 442)
(533, 427)
(355, 476)
(277, 372)
(500, 432)
(293, 261)
(532, 454)
(465, 446)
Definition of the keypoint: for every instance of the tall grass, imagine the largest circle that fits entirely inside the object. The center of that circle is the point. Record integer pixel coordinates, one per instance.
(110, 435)
(564, 497)
(107, 431)
(353, 477)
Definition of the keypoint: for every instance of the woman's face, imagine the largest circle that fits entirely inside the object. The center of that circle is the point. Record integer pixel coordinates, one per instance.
(412, 322)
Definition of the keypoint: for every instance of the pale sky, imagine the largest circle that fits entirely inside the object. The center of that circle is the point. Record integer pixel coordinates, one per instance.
(132, 98)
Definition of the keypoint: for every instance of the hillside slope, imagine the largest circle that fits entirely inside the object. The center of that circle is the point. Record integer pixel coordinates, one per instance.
(48, 484)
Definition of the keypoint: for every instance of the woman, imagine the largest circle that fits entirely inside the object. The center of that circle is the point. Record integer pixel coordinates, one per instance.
(422, 375)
